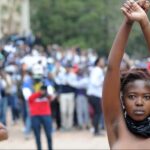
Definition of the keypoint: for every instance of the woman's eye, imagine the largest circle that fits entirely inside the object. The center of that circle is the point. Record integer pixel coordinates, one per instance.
(131, 96)
(147, 97)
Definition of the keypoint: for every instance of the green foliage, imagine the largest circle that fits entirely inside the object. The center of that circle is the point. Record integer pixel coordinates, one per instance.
(84, 23)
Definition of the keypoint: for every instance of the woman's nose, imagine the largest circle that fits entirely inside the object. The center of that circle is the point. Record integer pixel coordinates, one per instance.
(139, 101)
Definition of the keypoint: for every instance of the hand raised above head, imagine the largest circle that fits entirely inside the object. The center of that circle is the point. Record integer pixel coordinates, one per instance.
(133, 11)
(145, 4)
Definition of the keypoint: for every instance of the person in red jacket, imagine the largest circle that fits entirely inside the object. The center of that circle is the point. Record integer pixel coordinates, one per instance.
(40, 112)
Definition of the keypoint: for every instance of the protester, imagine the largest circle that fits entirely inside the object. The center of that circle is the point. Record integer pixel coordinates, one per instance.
(40, 112)
(65, 80)
(126, 103)
(94, 92)
(26, 90)
(82, 107)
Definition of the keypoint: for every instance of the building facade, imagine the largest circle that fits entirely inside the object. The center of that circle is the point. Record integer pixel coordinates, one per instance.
(14, 17)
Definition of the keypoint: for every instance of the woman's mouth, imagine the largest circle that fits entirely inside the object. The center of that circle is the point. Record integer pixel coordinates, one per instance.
(139, 112)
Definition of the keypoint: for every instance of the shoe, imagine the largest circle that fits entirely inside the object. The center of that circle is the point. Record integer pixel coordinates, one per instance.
(27, 137)
(98, 134)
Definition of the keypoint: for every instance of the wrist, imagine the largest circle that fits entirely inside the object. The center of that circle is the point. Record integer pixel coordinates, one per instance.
(144, 22)
(128, 22)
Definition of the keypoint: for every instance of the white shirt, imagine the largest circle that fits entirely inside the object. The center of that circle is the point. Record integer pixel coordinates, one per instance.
(96, 79)
(64, 78)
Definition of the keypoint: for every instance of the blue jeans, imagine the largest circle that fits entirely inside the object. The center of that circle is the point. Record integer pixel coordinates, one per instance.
(14, 104)
(82, 110)
(46, 122)
(27, 119)
(3, 110)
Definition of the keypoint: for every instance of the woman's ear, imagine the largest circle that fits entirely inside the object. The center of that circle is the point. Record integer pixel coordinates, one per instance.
(122, 101)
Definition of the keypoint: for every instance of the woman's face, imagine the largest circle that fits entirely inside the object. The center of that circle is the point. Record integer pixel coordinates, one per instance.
(137, 99)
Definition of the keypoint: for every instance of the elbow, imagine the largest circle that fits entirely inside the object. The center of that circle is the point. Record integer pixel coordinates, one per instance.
(3, 134)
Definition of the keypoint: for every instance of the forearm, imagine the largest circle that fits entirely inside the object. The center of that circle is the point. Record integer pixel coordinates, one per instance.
(119, 45)
(145, 26)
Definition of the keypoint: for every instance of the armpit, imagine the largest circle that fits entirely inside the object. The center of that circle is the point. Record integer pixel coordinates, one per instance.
(115, 128)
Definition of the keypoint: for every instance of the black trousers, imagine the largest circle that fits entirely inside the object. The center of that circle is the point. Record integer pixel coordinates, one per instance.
(56, 112)
(95, 103)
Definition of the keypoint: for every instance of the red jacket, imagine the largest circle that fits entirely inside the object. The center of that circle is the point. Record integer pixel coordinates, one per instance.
(39, 106)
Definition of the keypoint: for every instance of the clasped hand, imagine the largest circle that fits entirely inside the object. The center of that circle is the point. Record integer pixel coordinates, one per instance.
(135, 10)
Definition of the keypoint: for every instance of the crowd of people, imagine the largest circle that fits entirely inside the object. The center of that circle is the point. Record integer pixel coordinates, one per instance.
(59, 88)
(73, 80)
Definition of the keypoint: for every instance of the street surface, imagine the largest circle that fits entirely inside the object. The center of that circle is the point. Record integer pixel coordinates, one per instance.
(76, 139)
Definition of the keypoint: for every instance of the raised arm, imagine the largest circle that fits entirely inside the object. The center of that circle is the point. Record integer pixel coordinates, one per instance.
(145, 24)
(111, 89)
(137, 12)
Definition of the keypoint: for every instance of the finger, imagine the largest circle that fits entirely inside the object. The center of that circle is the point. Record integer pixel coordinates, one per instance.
(125, 5)
(135, 6)
(130, 4)
(132, 1)
(125, 11)
(146, 7)
(141, 2)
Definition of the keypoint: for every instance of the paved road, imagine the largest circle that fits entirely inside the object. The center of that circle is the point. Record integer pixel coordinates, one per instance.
(61, 140)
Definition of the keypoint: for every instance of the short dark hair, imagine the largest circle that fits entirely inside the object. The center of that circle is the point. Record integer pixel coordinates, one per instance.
(97, 61)
(43, 87)
(132, 75)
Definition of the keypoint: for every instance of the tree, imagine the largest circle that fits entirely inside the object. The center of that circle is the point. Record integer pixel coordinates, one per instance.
(84, 23)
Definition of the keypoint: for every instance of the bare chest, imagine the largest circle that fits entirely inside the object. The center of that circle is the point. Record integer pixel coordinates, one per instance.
(132, 144)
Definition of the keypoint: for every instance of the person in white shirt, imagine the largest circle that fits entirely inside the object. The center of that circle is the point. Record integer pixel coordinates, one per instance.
(65, 80)
(94, 91)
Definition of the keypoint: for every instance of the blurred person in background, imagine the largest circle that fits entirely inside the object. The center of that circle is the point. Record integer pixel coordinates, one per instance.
(11, 94)
(3, 100)
(27, 90)
(82, 107)
(65, 80)
(51, 88)
(40, 112)
(3, 97)
(94, 92)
